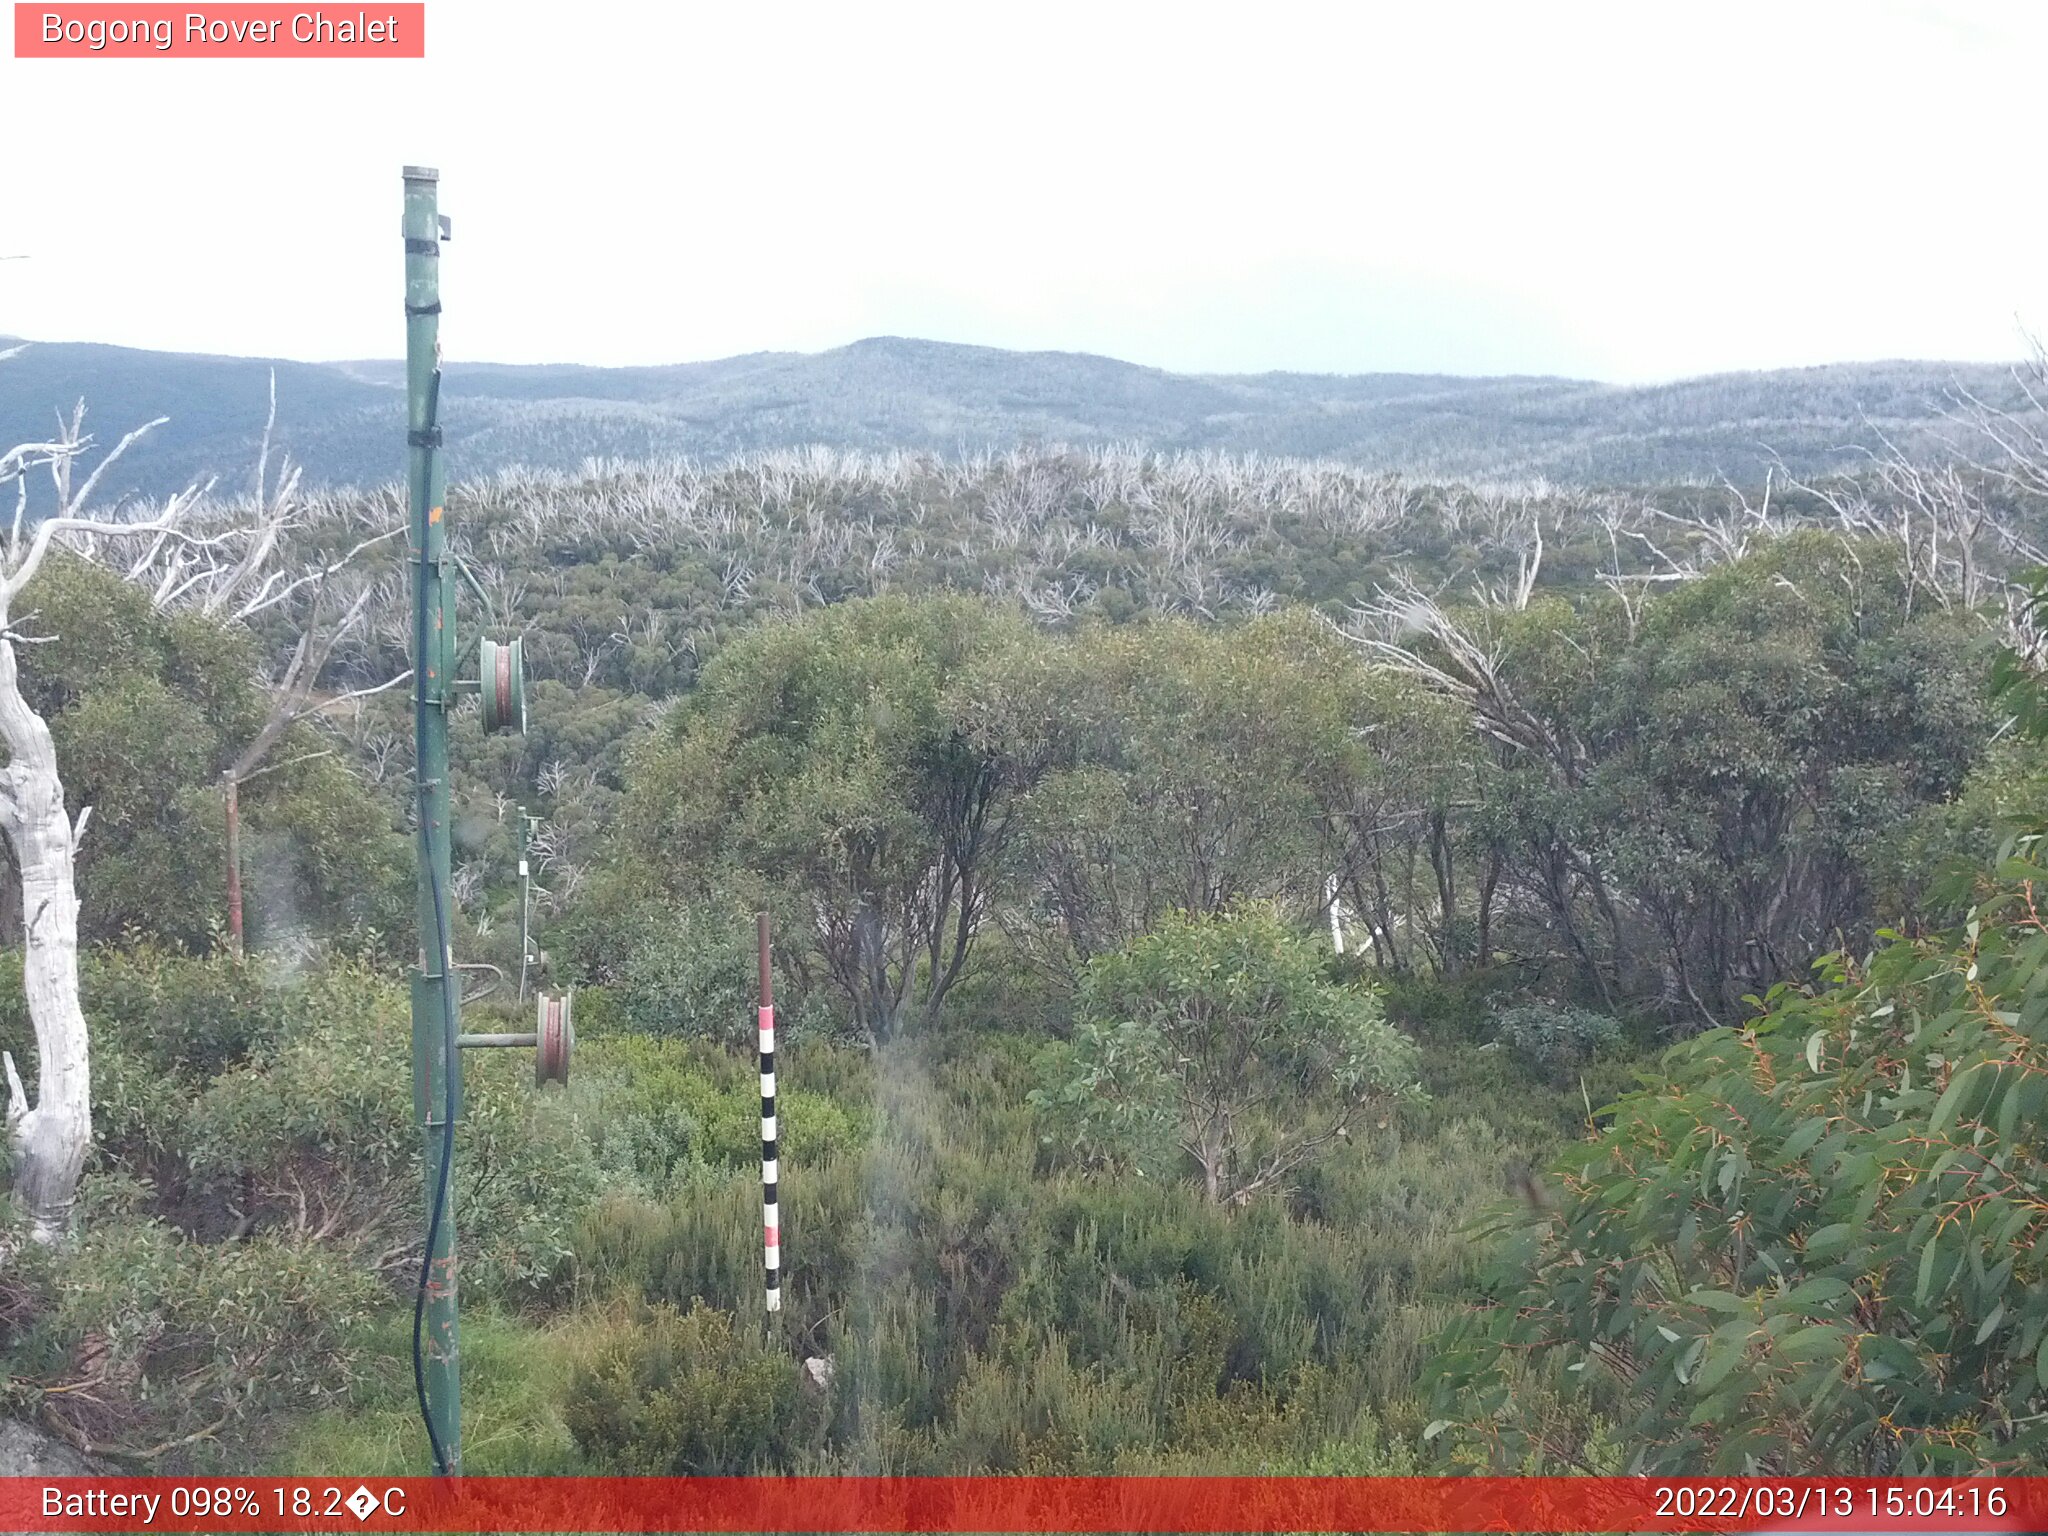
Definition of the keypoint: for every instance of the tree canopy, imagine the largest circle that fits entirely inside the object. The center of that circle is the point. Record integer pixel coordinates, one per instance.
(124, 685)
(831, 766)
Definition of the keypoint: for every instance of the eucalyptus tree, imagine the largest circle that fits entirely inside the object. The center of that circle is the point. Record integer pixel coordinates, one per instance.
(146, 709)
(1772, 723)
(1196, 766)
(835, 764)
(1695, 784)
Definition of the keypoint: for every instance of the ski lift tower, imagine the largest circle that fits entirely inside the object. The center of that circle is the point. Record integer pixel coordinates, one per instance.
(437, 1041)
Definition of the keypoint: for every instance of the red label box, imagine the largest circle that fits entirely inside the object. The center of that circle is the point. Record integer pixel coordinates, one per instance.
(228, 31)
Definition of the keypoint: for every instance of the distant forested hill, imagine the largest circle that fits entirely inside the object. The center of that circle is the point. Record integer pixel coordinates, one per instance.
(342, 420)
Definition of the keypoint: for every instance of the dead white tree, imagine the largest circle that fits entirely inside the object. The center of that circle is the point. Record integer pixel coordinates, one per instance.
(1961, 547)
(1406, 630)
(50, 1138)
(1527, 544)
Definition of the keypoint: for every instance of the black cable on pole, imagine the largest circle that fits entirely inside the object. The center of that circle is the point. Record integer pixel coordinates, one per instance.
(421, 637)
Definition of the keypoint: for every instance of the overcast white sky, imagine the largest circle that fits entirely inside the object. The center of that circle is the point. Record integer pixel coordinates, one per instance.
(1636, 191)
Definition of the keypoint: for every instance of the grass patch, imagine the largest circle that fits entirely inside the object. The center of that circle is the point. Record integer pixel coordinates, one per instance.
(512, 1374)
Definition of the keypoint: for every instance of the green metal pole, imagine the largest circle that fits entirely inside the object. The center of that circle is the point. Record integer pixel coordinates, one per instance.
(437, 1086)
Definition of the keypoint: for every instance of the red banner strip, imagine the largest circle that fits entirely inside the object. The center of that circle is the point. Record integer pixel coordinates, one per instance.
(996, 1504)
(378, 30)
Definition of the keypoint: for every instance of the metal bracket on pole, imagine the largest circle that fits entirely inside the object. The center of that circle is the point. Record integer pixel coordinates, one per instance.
(553, 1040)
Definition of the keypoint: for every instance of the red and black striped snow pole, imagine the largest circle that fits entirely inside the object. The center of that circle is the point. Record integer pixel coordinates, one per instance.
(771, 1221)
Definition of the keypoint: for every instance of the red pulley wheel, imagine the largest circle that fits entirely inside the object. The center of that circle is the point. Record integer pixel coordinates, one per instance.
(502, 685)
(556, 1040)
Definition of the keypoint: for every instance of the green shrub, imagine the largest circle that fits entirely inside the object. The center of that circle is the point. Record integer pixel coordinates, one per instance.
(692, 975)
(1220, 1038)
(1438, 1009)
(162, 1024)
(145, 1341)
(1555, 1040)
(232, 1100)
(1815, 1247)
(653, 1108)
(684, 1394)
(1032, 1409)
